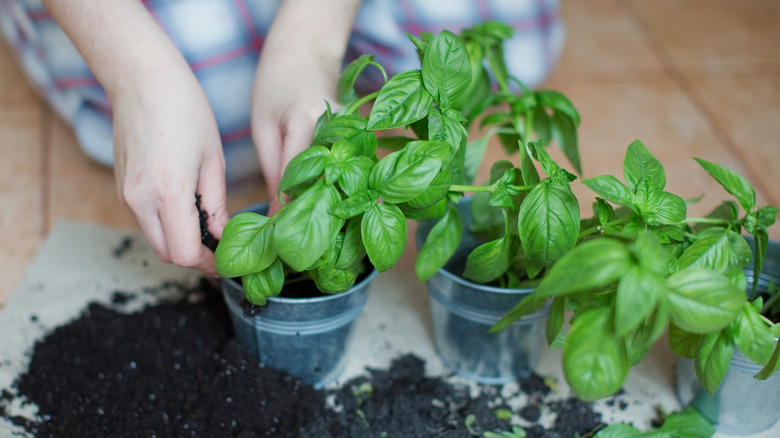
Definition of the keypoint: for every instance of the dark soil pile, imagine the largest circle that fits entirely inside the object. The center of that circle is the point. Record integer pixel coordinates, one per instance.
(175, 369)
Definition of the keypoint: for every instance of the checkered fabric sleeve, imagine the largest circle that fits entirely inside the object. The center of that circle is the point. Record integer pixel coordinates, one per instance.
(222, 39)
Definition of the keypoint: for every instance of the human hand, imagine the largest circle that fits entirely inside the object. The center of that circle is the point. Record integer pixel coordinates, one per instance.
(167, 150)
(297, 73)
(289, 96)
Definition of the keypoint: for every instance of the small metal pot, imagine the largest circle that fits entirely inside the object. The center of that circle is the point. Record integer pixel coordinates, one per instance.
(462, 312)
(742, 405)
(306, 337)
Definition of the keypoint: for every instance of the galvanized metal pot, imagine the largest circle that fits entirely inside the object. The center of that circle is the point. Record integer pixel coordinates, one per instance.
(463, 311)
(306, 337)
(742, 405)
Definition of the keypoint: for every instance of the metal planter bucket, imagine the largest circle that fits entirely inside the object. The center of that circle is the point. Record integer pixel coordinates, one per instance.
(306, 337)
(742, 405)
(463, 311)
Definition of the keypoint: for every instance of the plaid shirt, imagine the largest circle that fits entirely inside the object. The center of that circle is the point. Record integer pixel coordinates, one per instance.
(221, 40)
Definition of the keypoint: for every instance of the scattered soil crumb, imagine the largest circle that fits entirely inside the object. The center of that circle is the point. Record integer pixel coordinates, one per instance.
(124, 246)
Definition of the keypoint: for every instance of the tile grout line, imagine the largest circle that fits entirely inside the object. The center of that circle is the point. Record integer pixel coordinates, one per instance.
(701, 107)
(46, 131)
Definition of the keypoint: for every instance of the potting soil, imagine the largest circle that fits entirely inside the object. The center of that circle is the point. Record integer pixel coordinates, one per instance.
(175, 369)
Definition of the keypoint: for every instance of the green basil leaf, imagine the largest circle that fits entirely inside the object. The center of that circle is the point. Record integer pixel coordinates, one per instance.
(609, 188)
(702, 301)
(488, 261)
(424, 213)
(401, 101)
(771, 366)
(419, 43)
(594, 359)
(346, 83)
(341, 150)
(761, 242)
(684, 344)
(549, 166)
(526, 306)
(307, 165)
(662, 208)
(652, 256)
(504, 191)
(384, 235)
(753, 336)
(354, 175)
(403, 175)
(444, 126)
(331, 280)
(589, 266)
(766, 216)
(722, 251)
(605, 211)
(644, 337)
(548, 224)
(639, 165)
(496, 118)
(259, 286)
(246, 246)
(542, 125)
(732, 182)
(564, 131)
(354, 205)
(688, 423)
(352, 250)
(305, 229)
(323, 119)
(637, 296)
(352, 128)
(559, 102)
(446, 68)
(440, 244)
(497, 61)
(553, 326)
(436, 191)
(713, 359)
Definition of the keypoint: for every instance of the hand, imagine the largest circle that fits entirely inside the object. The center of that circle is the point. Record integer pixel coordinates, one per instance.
(289, 96)
(297, 73)
(167, 149)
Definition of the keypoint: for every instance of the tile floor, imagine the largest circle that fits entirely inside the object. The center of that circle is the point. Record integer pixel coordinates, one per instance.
(687, 77)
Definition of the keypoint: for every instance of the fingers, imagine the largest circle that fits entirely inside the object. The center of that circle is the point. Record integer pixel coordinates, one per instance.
(268, 142)
(278, 143)
(165, 209)
(213, 198)
(180, 225)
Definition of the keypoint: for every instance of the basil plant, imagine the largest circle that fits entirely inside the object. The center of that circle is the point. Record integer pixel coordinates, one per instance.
(348, 205)
(642, 268)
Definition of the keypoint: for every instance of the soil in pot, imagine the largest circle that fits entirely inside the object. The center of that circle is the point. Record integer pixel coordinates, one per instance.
(175, 369)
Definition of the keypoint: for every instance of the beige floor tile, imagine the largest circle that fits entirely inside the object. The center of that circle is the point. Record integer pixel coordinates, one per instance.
(81, 189)
(746, 110)
(603, 45)
(13, 86)
(21, 214)
(715, 37)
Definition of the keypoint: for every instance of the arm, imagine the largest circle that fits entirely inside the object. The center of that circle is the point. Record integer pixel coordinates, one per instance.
(166, 142)
(297, 73)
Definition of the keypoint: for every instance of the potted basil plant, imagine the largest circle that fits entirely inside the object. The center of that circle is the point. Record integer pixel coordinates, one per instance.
(482, 253)
(347, 209)
(642, 268)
